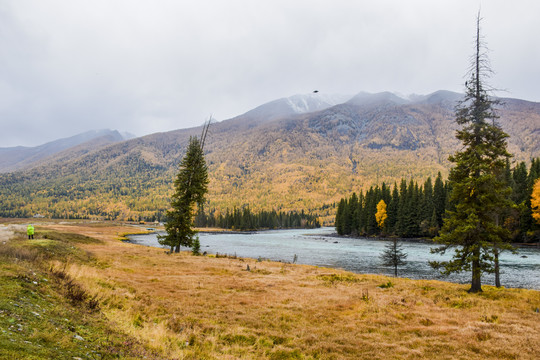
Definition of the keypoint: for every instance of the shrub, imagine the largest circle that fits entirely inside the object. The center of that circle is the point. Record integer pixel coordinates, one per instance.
(338, 278)
(196, 248)
(138, 321)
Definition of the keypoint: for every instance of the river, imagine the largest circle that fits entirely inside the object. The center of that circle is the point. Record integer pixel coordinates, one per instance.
(360, 255)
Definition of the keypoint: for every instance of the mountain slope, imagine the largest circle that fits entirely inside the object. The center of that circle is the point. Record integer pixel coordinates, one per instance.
(296, 104)
(20, 157)
(298, 161)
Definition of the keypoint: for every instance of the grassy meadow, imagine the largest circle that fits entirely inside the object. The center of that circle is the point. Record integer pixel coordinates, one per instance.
(77, 292)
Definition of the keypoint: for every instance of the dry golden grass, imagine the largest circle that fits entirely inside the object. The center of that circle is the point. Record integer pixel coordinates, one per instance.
(188, 307)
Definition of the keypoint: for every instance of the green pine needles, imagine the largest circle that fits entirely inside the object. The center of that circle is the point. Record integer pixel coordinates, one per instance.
(191, 186)
(480, 191)
(393, 255)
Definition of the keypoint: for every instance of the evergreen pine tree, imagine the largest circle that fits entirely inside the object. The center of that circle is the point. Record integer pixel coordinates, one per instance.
(191, 186)
(347, 219)
(360, 215)
(439, 199)
(427, 208)
(520, 182)
(415, 213)
(527, 222)
(393, 255)
(196, 248)
(427, 199)
(371, 209)
(434, 226)
(401, 220)
(386, 194)
(478, 186)
(339, 223)
(392, 210)
(353, 208)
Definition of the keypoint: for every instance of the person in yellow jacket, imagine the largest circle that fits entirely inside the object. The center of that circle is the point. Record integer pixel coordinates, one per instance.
(30, 231)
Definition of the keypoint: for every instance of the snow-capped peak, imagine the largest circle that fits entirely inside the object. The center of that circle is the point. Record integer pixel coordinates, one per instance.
(304, 103)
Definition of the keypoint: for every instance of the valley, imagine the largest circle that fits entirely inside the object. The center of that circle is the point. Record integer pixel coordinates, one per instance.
(271, 158)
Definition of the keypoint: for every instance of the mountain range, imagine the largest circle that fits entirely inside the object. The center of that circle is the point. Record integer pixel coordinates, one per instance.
(296, 153)
(21, 157)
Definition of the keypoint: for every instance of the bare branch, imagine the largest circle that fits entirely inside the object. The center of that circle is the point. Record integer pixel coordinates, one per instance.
(204, 133)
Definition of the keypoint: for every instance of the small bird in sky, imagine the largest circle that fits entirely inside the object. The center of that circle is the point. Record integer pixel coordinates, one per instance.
(315, 91)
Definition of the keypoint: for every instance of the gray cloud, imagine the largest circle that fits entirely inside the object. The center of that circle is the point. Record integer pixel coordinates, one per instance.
(148, 66)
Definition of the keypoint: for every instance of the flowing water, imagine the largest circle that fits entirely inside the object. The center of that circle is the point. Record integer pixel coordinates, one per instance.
(319, 247)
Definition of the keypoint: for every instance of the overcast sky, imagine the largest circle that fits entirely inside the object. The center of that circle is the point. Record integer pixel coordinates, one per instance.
(147, 66)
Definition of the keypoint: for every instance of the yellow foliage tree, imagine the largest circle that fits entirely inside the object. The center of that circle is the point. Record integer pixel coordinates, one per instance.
(535, 201)
(381, 214)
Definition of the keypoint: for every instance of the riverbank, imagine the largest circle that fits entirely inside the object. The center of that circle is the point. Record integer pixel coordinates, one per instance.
(186, 307)
(360, 255)
(422, 240)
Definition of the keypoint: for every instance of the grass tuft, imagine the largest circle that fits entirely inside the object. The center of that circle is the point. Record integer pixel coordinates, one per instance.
(493, 319)
(386, 285)
(333, 279)
(285, 355)
(239, 339)
(138, 321)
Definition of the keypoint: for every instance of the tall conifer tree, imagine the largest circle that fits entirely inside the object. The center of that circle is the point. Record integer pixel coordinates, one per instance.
(191, 186)
(340, 214)
(393, 209)
(479, 190)
(439, 199)
(401, 210)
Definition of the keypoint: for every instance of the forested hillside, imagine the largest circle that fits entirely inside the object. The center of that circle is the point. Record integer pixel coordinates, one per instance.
(296, 162)
(414, 209)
